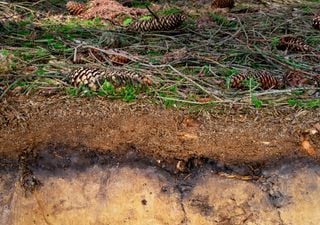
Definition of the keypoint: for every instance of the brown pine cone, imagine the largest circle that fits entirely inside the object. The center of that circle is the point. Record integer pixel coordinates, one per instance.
(292, 43)
(223, 3)
(316, 22)
(119, 58)
(76, 8)
(163, 23)
(97, 55)
(93, 77)
(266, 80)
(293, 78)
(119, 76)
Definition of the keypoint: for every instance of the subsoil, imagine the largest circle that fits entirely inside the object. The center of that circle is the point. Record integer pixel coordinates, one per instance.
(88, 187)
(231, 135)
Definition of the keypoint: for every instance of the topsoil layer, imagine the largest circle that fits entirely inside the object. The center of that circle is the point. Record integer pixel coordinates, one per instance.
(231, 135)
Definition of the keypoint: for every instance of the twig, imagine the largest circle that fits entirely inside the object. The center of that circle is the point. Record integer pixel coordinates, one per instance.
(152, 13)
(185, 101)
(267, 56)
(195, 83)
(270, 92)
(111, 52)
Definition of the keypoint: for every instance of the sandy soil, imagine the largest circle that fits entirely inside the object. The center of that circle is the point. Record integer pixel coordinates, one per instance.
(285, 194)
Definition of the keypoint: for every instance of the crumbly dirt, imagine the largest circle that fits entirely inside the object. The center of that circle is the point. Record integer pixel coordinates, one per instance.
(231, 135)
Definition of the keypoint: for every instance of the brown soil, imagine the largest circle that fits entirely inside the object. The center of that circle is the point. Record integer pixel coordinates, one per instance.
(229, 135)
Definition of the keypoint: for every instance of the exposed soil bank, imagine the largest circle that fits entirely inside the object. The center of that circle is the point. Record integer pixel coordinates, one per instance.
(228, 135)
(84, 188)
(91, 161)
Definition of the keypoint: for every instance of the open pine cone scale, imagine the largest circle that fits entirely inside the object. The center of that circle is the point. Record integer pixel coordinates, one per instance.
(76, 8)
(94, 77)
(316, 22)
(293, 43)
(164, 23)
(223, 3)
(90, 77)
(118, 57)
(265, 80)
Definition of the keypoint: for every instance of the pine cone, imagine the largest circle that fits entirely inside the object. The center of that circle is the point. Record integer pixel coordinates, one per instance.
(91, 77)
(119, 59)
(316, 22)
(293, 78)
(114, 58)
(265, 80)
(163, 23)
(223, 3)
(292, 43)
(76, 8)
(94, 78)
(123, 77)
(98, 55)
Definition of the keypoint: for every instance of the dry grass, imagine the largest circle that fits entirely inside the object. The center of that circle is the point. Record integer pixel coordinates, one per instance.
(190, 65)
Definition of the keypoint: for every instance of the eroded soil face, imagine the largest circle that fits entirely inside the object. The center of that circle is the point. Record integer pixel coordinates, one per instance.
(92, 161)
(230, 135)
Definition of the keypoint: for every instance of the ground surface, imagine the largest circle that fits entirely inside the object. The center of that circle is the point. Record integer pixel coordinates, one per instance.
(191, 65)
(189, 146)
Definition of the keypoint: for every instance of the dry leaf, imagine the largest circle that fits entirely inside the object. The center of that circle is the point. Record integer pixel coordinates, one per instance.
(306, 145)
(184, 136)
(29, 69)
(294, 78)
